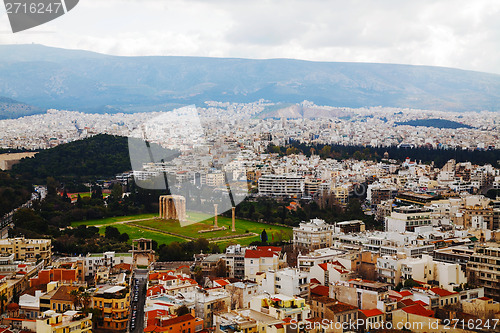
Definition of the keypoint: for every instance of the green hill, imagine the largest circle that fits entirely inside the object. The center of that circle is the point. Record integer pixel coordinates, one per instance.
(96, 157)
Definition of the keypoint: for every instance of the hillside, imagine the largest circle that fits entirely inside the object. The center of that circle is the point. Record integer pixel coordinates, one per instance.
(80, 80)
(437, 123)
(11, 109)
(99, 156)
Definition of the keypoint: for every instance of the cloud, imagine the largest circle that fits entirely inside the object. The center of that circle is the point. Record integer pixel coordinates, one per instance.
(453, 33)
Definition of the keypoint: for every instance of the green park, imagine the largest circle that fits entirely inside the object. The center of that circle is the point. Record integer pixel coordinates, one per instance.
(198, 225)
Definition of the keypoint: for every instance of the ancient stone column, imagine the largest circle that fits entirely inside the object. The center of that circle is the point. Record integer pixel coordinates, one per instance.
(160, 206)
(233, 219)
(215, 218)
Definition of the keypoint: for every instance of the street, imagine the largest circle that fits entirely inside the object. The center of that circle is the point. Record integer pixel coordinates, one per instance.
(137, 300)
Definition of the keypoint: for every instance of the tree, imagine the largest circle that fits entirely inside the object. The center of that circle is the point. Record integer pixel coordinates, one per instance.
(410, 283)
(325, 151)
(76, 297)
(182, 310)
(112, 233)
(124, 237)
(263, 236)
(79, 202)
(3, 299)
(220, 270)
(51, 186)
(65, 197)
(96, 192)
(116, 192)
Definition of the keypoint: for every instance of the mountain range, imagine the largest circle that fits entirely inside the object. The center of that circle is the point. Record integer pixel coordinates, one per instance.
(46, 77)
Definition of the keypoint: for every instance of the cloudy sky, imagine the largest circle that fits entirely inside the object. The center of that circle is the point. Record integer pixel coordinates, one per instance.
(452, 33)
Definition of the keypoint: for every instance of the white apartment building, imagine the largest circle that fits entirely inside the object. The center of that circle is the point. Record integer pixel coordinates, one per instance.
(108, 259)
(395, 269)
(320, 256)
(288, 281)
(330, 272)
(262, 259)
(313, 235)
(286, 185)
(406, 218)
(215, 178)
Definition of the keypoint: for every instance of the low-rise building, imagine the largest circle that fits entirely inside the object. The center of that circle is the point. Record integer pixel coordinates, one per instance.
(281, 307)
(69, 321)
(262, 259)
(27, 249)
(107, 259)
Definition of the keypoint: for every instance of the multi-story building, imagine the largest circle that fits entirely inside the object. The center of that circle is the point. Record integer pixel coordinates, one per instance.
(286, 185)
(394, 269)
(242, 293)
(107, 259)
(215, 178)
(477, 217)
(209, 302)
(235, 261)
(320, 256)
(376, 193)
(281, 307)
(185, 323)
(58, 298)
(261, 259)
(114, 302)
(483, 270)
(70, 321)
(330, 272)
(406, 218)
(313, 235)
(287, 281)
(27, 249)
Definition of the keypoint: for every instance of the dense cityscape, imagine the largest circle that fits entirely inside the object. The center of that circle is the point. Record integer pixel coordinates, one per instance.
(318, 239)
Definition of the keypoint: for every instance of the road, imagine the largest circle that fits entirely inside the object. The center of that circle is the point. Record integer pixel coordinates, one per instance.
(137, 307)
(5, 222)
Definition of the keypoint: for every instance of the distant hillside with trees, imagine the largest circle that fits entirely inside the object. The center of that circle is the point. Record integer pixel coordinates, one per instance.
(95, 157)
(13, 192)
(437, 123)
(426, 155)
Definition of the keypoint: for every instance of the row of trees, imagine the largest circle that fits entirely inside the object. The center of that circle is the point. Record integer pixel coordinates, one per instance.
(279, 212)
(425, 154)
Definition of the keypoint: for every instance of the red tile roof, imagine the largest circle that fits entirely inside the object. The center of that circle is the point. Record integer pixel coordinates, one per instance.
(315, 281)
(259, 254)
(405, 293)
(341, 271)
(176, 320)
(321, 290)
(442, 292)
(155, 290)
(341, 307)
(421, 303)
(372, 312)
(484, 298)
(337, 263)
(222, 282)
(407, 301)
(269, 248)
(324, 266)
(419, 310)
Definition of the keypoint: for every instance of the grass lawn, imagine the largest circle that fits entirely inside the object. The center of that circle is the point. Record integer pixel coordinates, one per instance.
(111, 220)
(135, 233)
(242, 227)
